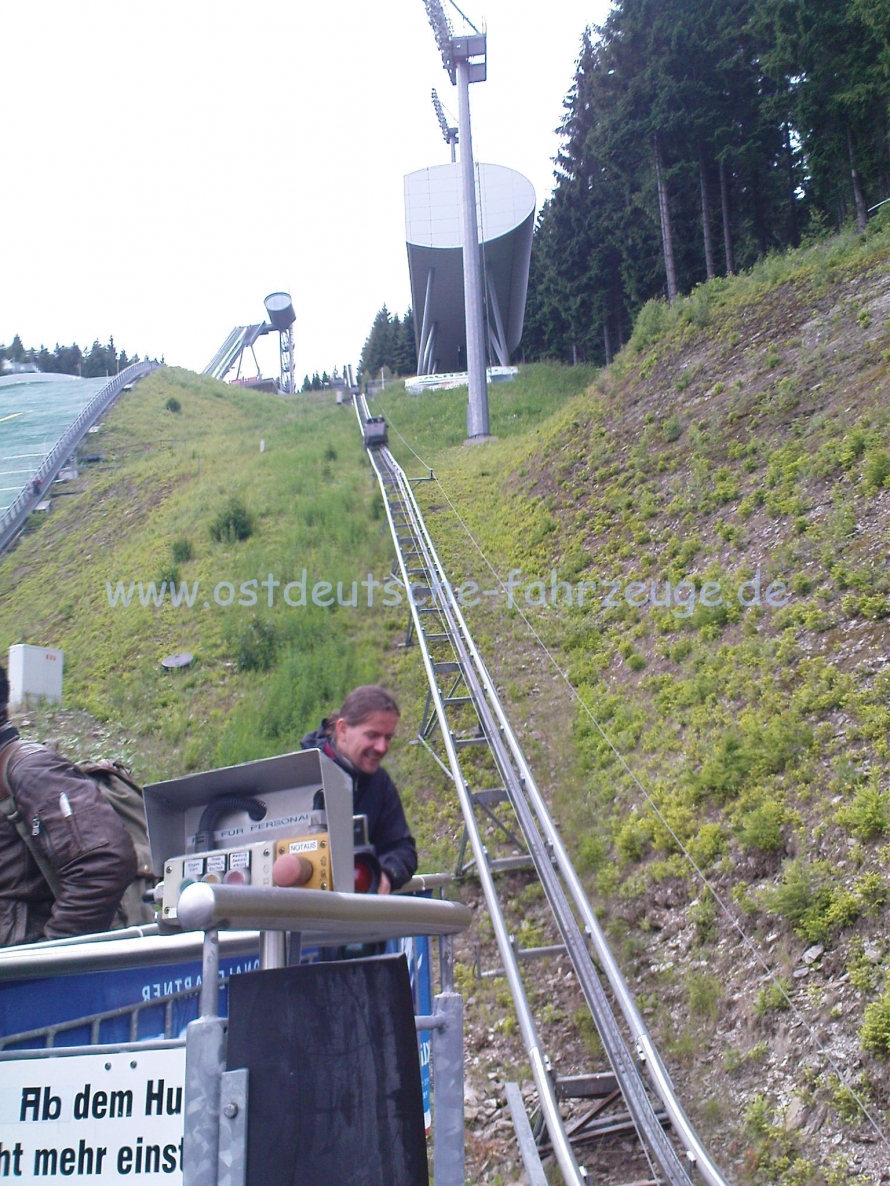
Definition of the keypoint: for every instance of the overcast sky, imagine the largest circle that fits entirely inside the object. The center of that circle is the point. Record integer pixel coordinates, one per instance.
(167, 165)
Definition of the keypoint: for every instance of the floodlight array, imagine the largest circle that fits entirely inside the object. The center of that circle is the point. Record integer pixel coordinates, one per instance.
(449, 134)
(442, 29)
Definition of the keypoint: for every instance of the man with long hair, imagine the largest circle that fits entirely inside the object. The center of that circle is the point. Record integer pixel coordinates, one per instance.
(357, 737)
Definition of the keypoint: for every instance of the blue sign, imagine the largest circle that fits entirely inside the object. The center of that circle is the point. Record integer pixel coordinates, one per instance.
(33, 1004)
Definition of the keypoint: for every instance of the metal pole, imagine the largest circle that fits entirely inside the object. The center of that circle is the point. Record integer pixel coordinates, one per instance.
(446, 963)
(477, 410)
(294, 948)
(272, 950)
(205, 1061)
(210, 975)
(448, 1091)
(425, 326)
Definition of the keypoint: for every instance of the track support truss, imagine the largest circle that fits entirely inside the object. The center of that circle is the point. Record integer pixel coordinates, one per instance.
(507, 826)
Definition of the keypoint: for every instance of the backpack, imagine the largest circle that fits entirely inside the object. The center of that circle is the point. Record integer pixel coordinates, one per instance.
(113, 781)
(116, 784)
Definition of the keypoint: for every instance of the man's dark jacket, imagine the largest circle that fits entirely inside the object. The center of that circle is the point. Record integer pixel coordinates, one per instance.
(375, 796)
(81, 836)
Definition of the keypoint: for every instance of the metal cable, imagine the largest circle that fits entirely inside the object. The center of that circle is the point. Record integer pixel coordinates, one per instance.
(395, 485)
(748, 942)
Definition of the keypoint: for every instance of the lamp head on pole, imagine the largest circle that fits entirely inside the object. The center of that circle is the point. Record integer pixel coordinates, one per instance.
(449, 134)
(454, 49)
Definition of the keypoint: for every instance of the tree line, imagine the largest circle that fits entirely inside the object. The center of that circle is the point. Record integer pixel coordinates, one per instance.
(390, 343)
(698, 135)
(70, 360)
(319, 382)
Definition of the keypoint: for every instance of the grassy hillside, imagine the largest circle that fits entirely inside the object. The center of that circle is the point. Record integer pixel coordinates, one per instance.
(722, 490)
(262, 675)
(719, 705)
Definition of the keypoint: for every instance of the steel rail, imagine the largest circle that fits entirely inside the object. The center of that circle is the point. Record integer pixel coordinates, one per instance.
(633, 1089)
(562, 1148)
(646, 1051)
(37, 961)
(645, 1047)
(545, 847)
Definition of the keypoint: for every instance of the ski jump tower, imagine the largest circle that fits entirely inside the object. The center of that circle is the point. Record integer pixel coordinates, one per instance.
(281, 313)
(281, 318)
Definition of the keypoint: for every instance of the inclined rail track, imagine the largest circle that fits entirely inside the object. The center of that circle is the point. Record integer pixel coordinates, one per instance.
(461, 688)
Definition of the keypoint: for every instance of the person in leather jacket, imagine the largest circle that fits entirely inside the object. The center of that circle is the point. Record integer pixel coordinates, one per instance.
(357, 737)
(75, 830)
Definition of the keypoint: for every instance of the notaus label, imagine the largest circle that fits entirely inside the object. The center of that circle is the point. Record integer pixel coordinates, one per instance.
(303, 846)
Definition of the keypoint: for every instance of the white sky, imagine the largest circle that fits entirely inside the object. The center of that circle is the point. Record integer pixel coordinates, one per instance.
(167, 165)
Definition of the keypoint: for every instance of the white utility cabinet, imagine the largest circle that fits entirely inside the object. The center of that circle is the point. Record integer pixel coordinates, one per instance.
(35, 672)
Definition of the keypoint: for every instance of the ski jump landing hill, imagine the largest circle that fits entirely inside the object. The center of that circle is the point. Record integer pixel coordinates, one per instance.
(24, 444)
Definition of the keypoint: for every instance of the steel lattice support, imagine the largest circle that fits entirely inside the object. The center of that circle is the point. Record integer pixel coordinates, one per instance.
(463, 716)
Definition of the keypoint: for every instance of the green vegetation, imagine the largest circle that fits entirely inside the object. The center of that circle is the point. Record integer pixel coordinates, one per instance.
(748, 731)
(182, 551)
(816, 905)
(70, 360)
(256, 645)
(774, 1151)
(704, 992)
(788, 106)
(390, 345)
(233, 523)
(875, 1032)
(200, 510)
(758, 737)
(773, 996)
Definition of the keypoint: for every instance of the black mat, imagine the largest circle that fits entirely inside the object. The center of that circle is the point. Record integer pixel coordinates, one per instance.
(334, 1090)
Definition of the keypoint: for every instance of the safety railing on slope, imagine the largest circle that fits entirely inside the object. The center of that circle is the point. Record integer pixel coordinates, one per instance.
(232, 343)
(461, 684)
(13, 518)
(241, 338)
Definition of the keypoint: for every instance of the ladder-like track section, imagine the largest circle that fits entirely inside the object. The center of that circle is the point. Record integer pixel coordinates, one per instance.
(466, 721)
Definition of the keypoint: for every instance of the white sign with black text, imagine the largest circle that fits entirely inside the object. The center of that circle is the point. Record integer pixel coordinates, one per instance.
(105, 1117)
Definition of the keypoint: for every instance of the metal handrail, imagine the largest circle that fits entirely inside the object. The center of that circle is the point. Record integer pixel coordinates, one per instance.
(204, 906)
(95, 1020)
(17, 512)
(38, 961)
(421, 882)
(102, 1048)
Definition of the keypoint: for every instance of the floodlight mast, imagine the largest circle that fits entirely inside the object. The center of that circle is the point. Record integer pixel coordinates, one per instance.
(449, 134)
(456, 54)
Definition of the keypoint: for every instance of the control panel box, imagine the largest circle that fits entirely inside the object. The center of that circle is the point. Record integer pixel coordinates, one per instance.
(308, 866)
(231, 826)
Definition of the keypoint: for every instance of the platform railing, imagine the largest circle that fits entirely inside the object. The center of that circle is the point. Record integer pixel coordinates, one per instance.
(214, 1149)
(13, 518)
